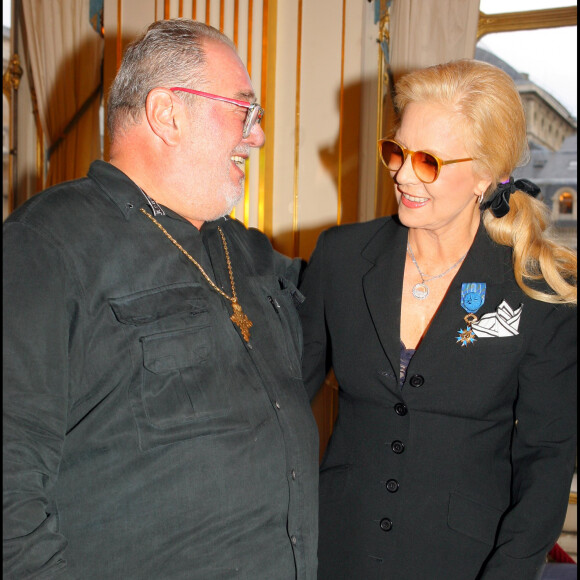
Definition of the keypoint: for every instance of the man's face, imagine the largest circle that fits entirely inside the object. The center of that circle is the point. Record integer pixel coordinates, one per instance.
(213, 151)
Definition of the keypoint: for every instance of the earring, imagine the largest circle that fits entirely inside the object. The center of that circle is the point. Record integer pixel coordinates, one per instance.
(480, 198)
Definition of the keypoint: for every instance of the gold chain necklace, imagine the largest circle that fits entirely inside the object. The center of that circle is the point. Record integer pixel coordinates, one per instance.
(238, 317)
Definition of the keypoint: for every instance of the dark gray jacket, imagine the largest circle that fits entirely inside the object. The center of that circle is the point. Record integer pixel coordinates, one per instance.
(465, 471)
(143, 437)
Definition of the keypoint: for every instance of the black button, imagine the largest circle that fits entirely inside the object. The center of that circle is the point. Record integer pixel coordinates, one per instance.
(400, 409)
(386, 525)
(392, 485)
(416, 381)
(397, 447)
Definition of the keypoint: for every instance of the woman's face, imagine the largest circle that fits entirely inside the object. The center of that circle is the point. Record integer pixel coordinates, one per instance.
(451, 201)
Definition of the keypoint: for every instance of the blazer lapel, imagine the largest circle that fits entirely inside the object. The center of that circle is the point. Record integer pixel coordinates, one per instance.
(382, 285)
(485, 262)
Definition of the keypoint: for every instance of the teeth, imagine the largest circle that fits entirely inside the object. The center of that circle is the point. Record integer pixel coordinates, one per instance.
(415, 199)
(238, 160)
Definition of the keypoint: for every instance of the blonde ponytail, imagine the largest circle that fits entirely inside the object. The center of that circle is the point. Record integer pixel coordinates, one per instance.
(537, 256)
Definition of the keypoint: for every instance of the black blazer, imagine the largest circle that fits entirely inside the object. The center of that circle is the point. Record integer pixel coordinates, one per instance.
(465, 471)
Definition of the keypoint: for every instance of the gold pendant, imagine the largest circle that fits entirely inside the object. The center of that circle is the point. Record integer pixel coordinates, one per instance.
(241, 321)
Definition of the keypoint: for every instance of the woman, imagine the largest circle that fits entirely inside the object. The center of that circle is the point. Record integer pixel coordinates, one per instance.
(452, 333)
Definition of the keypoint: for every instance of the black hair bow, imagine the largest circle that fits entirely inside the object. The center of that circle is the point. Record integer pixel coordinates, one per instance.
(499, 200)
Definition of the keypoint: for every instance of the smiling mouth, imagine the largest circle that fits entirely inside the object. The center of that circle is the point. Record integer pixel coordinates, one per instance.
(414, 199)
(239, 161)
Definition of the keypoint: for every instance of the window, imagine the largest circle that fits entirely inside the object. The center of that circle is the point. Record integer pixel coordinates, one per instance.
(564, 207)
(566, 203)
(544, 56)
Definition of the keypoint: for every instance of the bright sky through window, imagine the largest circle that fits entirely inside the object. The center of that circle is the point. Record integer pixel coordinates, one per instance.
(548, 56)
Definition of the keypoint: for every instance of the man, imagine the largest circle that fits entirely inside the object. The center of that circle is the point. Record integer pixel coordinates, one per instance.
(155, 421)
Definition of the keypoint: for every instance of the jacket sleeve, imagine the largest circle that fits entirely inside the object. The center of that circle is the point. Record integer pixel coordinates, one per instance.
(35, 395)
(315, 362)
(543, 449)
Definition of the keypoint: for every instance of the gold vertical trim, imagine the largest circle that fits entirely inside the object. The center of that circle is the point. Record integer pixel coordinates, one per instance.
(250, 27)
(379, 126)
(222, 15)
(295, 230)
(180, 9)
(249, 67)
(194, 9)
(40, 157)
(167, 10)
(120, 33)
(235, 40)
(207, 11)
(236, 21)
(341, 117)
(267, 96)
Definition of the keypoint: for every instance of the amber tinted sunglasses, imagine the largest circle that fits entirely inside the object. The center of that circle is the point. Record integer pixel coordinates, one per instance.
(425, 165)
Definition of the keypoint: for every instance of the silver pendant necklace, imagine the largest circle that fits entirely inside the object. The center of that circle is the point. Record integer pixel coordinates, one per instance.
(420, 290)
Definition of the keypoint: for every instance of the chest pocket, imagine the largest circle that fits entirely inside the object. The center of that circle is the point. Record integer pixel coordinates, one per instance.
(180, 391)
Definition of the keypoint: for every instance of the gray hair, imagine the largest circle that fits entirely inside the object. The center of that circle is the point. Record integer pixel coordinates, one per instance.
(169, 53)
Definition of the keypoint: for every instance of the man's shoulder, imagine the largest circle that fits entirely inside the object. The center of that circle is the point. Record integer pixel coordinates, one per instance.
(67, 200)
(53, 201)
(250, 238)
(250, 245)
(67, 208)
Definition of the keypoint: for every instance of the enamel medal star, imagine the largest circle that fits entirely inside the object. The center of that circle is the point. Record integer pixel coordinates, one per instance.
(466, 336)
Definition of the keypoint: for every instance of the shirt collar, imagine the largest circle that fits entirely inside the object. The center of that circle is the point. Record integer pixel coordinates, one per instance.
(129, 197)
(118, 187)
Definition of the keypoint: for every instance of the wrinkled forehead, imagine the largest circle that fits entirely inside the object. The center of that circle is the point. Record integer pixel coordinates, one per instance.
(225, 73)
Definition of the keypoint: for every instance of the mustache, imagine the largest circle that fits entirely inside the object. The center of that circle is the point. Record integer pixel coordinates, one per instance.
(243, 151)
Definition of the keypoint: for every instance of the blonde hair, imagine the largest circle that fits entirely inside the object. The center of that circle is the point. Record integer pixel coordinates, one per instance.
(487, 101)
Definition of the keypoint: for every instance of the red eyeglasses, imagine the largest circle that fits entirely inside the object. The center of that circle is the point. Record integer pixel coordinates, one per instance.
(425, 165)
(254, 114)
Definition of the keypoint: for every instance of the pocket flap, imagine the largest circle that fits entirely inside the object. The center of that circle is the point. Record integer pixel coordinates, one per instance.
(474, 519)
(297, 296)
(150, 305)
